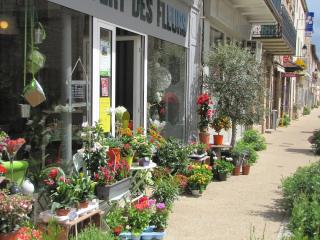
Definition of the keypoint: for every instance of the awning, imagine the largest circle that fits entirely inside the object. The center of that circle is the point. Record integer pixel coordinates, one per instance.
(292, 67)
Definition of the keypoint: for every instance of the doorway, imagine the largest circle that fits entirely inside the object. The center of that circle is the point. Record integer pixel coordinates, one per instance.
(129, 75)
(119, 75)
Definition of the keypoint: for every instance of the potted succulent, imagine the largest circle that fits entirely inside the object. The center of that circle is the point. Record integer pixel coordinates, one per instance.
(60, 191)
(223, 168)
(205, 113)
(112, 180)
(219, 123)
(83, 190)
(14, 210)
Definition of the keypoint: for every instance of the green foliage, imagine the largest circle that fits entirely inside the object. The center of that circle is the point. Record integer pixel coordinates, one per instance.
(244, 148)
(83, 188)
(257, 141)
(53, 231)
(316, 142)
(305, 218)
(138, 220)
(160, 219)
(235, 82)
(166, 190)
(174, 155)
(199, 148)
(305, 181)
(306, 111)
(285, 121)
(223, 167)
(35, 61)
(115, 218)
(92, 232)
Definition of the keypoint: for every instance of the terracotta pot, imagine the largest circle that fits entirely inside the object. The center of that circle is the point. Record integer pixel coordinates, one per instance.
(9, 236)
(84, 204)
(246, 169)
(204, 137)
(218, 139)
(236, 171)
(114, 154)
(62, 212)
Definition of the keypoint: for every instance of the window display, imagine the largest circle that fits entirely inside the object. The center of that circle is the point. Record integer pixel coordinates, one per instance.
(166, 87)
(44, 79)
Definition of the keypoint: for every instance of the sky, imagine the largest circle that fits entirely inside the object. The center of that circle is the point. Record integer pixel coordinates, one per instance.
(314, 6)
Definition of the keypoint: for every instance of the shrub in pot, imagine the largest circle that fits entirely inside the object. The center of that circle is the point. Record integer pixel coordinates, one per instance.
(219, 123)
(166, 190)
(223, 168)
(257, 141)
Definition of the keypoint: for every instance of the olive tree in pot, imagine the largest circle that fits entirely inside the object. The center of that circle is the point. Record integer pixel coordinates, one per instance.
(235, 81)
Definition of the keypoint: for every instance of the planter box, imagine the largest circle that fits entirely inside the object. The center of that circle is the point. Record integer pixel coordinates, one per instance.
(143, 236)
(108, 192)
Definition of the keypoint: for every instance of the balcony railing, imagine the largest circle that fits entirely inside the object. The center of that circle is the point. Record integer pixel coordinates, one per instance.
(284, 29)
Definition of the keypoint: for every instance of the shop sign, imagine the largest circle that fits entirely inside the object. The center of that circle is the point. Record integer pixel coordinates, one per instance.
(165, 19)
(309, 24)
(289, 74)
(104, 114)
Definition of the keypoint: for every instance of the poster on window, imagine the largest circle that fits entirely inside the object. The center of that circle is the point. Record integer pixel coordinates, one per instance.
(104, 114)
(104, 86)
(105, 58)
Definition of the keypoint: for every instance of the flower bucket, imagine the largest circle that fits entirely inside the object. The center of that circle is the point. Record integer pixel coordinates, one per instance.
(218, 139)
(114, 154)
(33, 93)
(246, 169)
(24, 110)
(204, 137)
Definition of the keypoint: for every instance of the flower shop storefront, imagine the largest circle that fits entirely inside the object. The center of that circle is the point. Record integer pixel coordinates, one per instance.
(64, 63)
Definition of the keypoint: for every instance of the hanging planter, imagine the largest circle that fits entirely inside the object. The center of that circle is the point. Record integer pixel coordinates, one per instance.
(33, 93)
(39, 34)
(35, 61)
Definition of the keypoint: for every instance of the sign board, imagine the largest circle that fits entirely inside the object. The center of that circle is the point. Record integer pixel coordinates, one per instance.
(289, 74)
(309, 24)
(104, 114)
(164, 19)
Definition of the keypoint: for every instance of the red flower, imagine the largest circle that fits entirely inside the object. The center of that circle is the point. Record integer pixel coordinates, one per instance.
(143, 199)
(203, 99)
(48, 182)
(3, 170)
(53, 173)
(117, 230)
(14, 145)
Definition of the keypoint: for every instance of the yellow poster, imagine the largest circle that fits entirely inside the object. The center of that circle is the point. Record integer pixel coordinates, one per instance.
(105, 117)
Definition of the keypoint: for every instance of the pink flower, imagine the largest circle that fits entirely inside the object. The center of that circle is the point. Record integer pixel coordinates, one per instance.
(161, 206)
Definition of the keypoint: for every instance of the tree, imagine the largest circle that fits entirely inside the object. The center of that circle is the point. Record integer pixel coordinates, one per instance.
(235, 82)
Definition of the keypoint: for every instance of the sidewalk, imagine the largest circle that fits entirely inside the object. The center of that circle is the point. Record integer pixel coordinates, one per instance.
(227, 210)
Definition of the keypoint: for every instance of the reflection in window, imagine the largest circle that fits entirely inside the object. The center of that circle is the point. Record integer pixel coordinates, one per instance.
(166, 86)
(216, 37)
(50, 128)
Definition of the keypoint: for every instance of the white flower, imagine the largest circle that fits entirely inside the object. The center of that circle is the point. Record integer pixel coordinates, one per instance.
(29, 122)
(97, 145)
(83, 135)
(81, 150)
(85, 124)
(158, 97)
(42, 122)
(120, 110)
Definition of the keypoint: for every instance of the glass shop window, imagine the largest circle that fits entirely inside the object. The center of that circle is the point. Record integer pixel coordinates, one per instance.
(44, 78)
(167, 68)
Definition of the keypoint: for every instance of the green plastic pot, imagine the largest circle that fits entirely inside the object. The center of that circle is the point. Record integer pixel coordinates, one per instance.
(19, 170)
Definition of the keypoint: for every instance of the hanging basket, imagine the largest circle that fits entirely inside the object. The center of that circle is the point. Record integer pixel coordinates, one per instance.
(33, 93)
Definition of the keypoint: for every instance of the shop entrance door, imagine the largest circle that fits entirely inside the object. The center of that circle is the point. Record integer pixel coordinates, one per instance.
(104, 75)
(129, 79)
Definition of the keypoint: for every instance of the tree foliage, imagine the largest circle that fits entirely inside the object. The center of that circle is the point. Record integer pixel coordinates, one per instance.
(235, 82)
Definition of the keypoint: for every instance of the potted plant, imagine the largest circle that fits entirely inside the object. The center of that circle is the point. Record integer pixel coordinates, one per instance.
(112, 180)
(14, 210)
(60, 191)
(28, 233)
(197, 183)
(115, 145)
(83, 189)
(223, 168)
(219, 123)
(128, 153)
(94, 149)
(116, 220)
(245, 155)
(205, 113)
